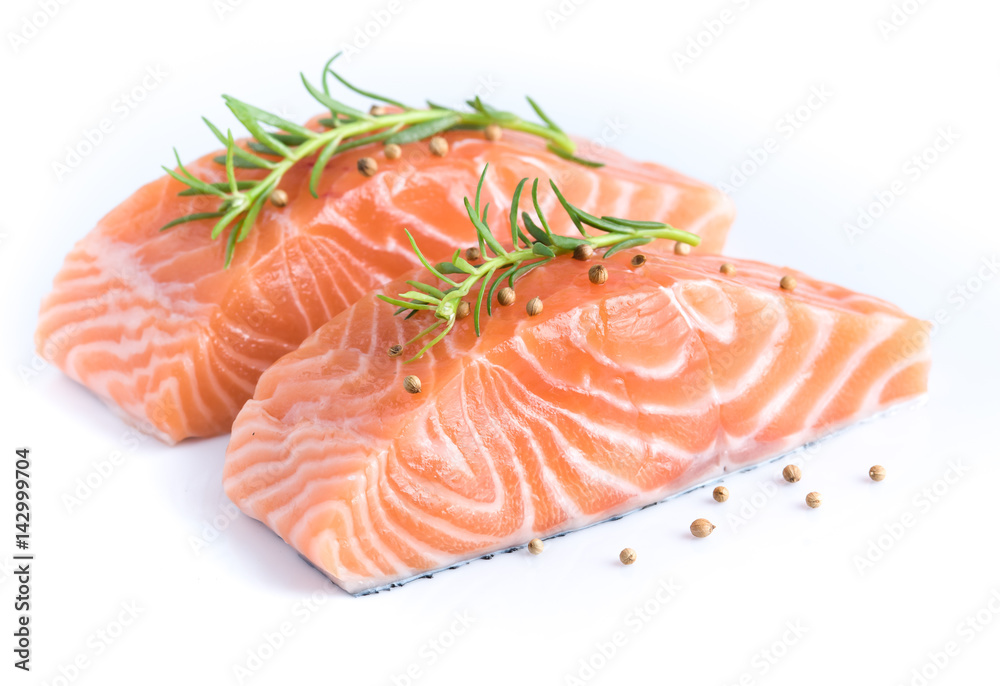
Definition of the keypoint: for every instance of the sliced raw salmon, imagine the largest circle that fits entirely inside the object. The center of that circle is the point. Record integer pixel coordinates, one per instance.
(614, 397)
(156, 326)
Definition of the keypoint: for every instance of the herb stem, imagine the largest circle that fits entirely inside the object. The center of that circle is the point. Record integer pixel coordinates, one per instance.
(241, 200)
(512, 264)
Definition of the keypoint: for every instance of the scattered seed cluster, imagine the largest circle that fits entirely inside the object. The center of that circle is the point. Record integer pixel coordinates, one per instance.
(702, 528)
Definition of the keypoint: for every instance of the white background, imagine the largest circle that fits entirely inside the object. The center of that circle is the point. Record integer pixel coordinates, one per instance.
(772, 563)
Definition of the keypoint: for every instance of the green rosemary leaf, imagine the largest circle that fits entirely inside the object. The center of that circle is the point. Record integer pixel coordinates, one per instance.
(479, 300)
(367, 94)
(625, 245)
(477, 104)
(402, 304)
(326, 71)
(434, 341)
(450, 268)
(230, 248)
(462, 264)
(544, 117)
(573, 158)
(484, 232)
(538, 208)
(230, 173)
(274, 120)
(263, 194)
(417, 296)
(427, 288)
(335, 106)
(536, 232)
(542, 250)
(427, 264)
(221, 185)
(260, 148)
(192, 182)
(514, 206)
(254, 127)
(251, 160)
(570, 209)
(512, 273)
(610, 227)
(226, 220)
(191, 218)
(293, 139)
(479, 186)
(374, 138)
(566, 242)
(242, 162)
(493, 289)
(633, 224)
(329, 122)
(320, 165)
(493, 113)
(516, 276)
(424, 129)
(423, 333)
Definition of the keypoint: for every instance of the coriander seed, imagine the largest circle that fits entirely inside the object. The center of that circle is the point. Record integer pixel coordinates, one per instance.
(279, 198)
(788, 283)
(598, 274)
(792, 473)
(493, 132)
(439, 146)
(877, 473)
(392, 151)
(395, 350)
(728, 268)
(463, 311)
(627, 556)
(701, 528)
(473, 254)
(721, 494)
(367, 166)
(536, 546)
(638, 260)
(506, 296)
(583, 252)
(378, 110)
(534, 307)
(411, 384)
(682, 248)
(814, 500)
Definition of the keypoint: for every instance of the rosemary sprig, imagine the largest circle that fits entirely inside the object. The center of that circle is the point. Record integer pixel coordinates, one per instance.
(278, 144)
(530, 250)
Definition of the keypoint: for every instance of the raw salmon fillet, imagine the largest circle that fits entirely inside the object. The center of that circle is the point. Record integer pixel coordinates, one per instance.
(156, 326)
(614, 397)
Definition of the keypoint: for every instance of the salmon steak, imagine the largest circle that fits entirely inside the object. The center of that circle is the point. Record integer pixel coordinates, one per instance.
(155, 324)
(614, 396)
